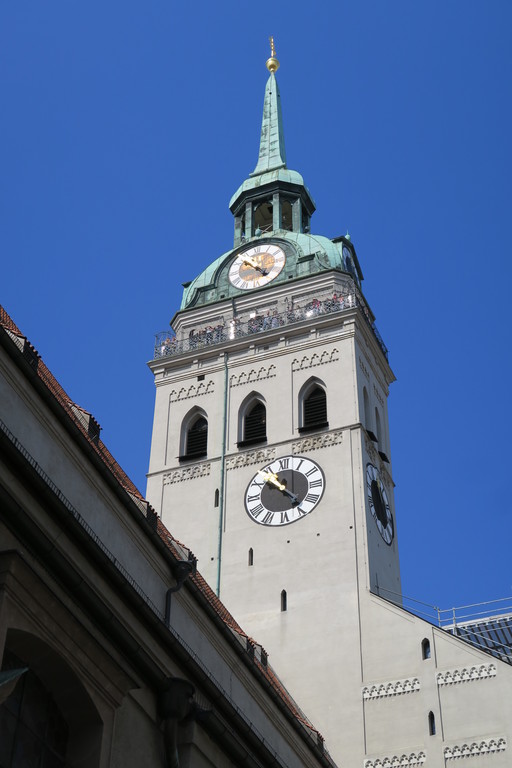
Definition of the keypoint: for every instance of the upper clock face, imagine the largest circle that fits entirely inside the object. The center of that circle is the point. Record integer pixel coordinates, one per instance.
(379, 503)
(284, 491)
(256, 266)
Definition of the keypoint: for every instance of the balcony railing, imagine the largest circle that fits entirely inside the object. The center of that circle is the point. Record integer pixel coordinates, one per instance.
(239, 326)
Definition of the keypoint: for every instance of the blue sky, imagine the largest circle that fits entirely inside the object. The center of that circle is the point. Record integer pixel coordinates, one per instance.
(128, 126)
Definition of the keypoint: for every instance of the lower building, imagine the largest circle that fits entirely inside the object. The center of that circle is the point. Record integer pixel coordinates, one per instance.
(115, 652)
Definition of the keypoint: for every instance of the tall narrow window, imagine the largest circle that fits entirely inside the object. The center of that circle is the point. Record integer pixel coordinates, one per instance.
(378, 427)
(431, 724)
(286, 215)
(425, 649)
(195, 437)
(314, 409)
(254, 424)
(284, 600)
(216, 503)
(250, 559)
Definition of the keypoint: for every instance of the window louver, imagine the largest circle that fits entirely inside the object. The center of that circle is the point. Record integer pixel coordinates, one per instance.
(197, 438)
(315, 410)
(255, 424)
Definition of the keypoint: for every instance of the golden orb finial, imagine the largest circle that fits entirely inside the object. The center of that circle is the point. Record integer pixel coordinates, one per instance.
(272, 64)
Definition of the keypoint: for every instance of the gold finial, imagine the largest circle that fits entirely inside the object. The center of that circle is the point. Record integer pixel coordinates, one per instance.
(272, 63)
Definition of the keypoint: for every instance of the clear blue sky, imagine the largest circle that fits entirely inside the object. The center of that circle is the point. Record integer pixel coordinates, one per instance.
(126, 128)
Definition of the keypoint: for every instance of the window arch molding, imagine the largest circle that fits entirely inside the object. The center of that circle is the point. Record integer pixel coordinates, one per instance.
(313, 405)
(194, 434)
(252, 420)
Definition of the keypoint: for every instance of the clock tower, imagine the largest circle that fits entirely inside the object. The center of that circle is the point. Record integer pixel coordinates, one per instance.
(270, 454)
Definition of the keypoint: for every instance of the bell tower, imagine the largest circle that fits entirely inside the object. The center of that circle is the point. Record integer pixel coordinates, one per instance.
(270, 454)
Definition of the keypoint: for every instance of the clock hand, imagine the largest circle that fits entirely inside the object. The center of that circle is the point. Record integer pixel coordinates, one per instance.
(272, 478)
(250, 261)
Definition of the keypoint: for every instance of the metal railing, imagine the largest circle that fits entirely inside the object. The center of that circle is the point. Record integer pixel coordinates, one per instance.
(452, 617)
(239, 326)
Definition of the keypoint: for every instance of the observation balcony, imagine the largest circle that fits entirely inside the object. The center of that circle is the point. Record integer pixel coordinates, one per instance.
(236, 326)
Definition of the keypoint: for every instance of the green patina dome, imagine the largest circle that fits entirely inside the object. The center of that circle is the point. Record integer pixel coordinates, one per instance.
(306, 255)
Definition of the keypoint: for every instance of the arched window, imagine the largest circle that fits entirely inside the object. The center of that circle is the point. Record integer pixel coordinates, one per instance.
(431, 724)
(313, 407)
(425, 649)
(250, 559)
(253, 422)
(48, 718)
(31, 722)
(284, 600)
(194, 436)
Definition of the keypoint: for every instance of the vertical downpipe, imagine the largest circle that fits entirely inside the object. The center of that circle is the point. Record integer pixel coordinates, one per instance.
(222, 470)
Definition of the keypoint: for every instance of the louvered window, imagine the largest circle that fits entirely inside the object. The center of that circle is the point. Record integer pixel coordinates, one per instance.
(255, 425)
(197, 439)
(314, 410)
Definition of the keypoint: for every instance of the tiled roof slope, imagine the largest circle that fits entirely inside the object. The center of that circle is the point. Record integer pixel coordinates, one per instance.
(74, 413)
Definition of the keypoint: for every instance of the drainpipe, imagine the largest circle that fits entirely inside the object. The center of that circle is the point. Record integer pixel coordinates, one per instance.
(182, 571)
(222, 469)
(175, 703)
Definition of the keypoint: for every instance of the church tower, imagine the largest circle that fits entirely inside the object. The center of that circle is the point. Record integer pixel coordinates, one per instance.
(270, 455)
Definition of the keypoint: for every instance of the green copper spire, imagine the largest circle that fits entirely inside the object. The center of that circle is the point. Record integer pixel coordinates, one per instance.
(273, 198)
(272, 153)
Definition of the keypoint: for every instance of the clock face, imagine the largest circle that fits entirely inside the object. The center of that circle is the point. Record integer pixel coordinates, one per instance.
(256, 266)
(284, 491)
(379, 503)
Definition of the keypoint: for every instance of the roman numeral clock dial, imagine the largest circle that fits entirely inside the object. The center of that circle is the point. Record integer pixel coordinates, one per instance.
(284, 491)
(255, 267)
(379, 503)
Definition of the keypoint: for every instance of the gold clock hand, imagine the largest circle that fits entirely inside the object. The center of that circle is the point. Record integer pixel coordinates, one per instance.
(271, 477)
(252, 263)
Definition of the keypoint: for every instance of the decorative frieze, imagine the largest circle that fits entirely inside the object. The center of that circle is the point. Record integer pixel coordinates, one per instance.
(476, 748)
(310, 361)
(466, 674)
(378, 395)
(397, 761)
(391, 689)
(263, 456)
(317, 441)
(194, 390)
(253, 375)
(187, 473)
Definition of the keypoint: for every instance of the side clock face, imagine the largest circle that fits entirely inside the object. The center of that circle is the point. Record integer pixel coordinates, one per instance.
(284, 491)
(256, 266)
(379, 503)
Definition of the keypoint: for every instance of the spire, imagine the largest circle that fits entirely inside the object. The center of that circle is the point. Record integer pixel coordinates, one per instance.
(272, 153)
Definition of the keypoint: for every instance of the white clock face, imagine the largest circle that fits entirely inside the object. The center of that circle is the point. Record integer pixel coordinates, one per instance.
(256, 266)
(379, 503)
(284, 491)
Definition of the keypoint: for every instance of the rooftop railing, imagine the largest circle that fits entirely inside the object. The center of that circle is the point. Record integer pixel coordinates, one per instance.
(240, 326)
